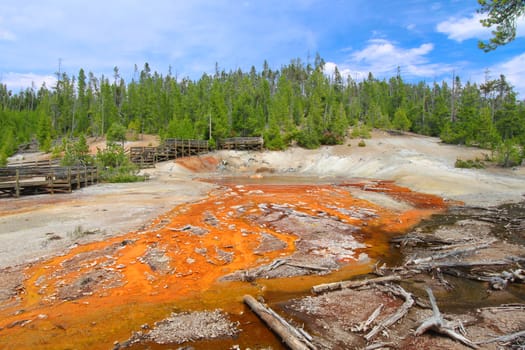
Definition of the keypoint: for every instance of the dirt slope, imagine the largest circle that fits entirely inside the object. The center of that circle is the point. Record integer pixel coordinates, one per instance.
(421, 163)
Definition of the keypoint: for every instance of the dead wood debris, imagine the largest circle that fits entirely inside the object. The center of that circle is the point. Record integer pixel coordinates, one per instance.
(468, 248)
(504, 338)
(365, 325)
(321, 288)
(380, 345)
(387, 288)
(449, 261)
(400, 313)
(294, 338)
(439, 325)
(280, 262)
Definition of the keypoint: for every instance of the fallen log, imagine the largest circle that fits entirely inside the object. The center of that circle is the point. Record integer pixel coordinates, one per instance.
(327, 287)
(380, 346)
(504, 338)
(468, 249)
(401, 311)
(293, 338)
(276, 264)
(308, 267)
(439, 325)
(505, 307)
(497, 281)
(467, 264)
(416, 239)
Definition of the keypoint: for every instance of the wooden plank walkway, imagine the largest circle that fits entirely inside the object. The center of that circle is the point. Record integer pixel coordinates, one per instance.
(34, 163)
(242, 143)
(147, 157)
(17, 181)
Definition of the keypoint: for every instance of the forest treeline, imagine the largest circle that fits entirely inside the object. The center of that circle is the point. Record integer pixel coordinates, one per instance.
(297, 104)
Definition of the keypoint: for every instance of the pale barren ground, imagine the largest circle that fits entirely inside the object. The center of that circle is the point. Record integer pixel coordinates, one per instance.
(33, 227)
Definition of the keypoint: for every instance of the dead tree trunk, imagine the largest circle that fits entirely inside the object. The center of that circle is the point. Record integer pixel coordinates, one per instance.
(440, 325)
(321, 288)
(295, 339)
(402, 311)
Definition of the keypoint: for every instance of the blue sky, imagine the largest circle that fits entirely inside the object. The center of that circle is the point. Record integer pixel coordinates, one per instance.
(428, 40)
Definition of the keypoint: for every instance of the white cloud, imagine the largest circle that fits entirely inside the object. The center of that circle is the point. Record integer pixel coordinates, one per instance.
(18, 81)
(329, 69)
(514, 71)
(460, 29)
(6, 35)
(187, 35)
(464, 28)
(383, 57)
(384, 52)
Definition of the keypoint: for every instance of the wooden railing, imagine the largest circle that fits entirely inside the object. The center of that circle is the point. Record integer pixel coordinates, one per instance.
(170, 149)
(242, 143)
(17, 181)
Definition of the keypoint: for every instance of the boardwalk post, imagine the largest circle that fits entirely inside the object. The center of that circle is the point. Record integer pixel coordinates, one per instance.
(17, 186)
(78, 177)
(18, 181)
(69, 185)
(51, 177)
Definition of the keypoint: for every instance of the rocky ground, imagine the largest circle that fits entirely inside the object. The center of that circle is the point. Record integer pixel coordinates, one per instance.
(475, 231)
(480, 291)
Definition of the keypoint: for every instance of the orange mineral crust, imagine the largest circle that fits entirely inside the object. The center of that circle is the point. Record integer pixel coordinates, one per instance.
(98, 293)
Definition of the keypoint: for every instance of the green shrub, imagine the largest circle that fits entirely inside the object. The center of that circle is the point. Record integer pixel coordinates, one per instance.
(361, 131)
(3, 159)
(76, 153)
(469, 164)
(115, 166)
(307, 140)
(362, 143)
(116, 133)
(509, 153)
(331, 138)
(212, 145)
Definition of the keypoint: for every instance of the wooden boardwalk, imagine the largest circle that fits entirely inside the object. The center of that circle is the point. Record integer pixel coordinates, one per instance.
(147, 157)
(16, 181)
(242, 143)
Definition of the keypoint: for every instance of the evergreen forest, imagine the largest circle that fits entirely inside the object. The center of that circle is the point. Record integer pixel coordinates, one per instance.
(296, 104)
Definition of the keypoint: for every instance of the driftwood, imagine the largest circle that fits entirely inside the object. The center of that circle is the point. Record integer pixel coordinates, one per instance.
(468, 264)
(402, 311)
(506, 307)
(497, 281)
(454, 252)
(321, 288)
(276, 264)
(364, 326)
(504, 338)
(380, 346)
(414, 239)
(292, 337)
(308, 267)
(280, 262)
(438, 324)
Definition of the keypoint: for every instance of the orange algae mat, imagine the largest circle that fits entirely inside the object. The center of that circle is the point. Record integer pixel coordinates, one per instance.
(100, 292)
